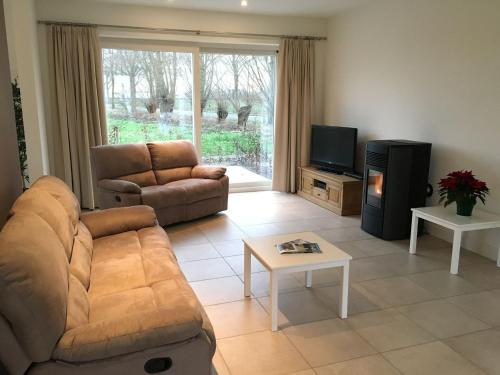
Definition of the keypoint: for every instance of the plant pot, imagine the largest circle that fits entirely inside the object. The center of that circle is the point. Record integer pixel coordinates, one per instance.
(465, 207)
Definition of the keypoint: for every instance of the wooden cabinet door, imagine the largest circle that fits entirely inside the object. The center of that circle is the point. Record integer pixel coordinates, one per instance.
(307, 184)
(334, 194)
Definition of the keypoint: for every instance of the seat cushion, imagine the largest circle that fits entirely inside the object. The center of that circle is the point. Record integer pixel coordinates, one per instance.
(138, 299)
(134, 320)
(131, 260)
(181, 192)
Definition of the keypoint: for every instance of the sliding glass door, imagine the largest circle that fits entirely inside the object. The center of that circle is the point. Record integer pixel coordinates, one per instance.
(237, 107)
(223, 102)
(148, 94)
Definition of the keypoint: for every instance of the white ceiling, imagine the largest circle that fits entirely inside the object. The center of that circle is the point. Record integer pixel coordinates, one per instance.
(311, 8)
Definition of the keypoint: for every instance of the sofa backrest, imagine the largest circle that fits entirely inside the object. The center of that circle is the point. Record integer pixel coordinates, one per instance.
(44, 272)
(12, 355)
(41, 203)
(172, 160)
(33, 283)
(130, 162)
(62, 193)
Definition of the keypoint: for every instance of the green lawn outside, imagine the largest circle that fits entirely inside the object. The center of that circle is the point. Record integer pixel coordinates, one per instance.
(216, 142)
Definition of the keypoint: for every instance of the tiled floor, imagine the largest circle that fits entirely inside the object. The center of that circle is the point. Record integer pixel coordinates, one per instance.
(407, 314)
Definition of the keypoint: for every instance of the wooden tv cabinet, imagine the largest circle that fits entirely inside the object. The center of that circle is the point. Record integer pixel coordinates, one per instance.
(338, 193)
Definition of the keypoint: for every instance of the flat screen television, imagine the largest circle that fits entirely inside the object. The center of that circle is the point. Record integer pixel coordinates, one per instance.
(333, 148)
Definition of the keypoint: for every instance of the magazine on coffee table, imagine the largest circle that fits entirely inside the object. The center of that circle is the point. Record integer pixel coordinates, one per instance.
(298, 246)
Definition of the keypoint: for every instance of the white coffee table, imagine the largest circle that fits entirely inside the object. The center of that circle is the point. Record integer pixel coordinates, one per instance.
(264, 249)
(448, 218)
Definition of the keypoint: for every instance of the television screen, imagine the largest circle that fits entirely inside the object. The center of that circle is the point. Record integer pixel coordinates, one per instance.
(333, 147)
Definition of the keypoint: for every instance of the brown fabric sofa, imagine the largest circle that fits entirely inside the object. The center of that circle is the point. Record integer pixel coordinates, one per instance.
(163, 175)
(94, 293)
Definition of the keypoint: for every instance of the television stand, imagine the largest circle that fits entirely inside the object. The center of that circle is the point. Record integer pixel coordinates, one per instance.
(338, 193)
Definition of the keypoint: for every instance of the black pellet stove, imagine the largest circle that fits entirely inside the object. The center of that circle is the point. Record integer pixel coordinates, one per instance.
(395, 180)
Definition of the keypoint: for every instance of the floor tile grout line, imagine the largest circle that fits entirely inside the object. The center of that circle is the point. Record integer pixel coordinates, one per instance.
(324, 320)
(448, 337)
(223, 360)
(466, 312)
(366, 356)
(438, 341)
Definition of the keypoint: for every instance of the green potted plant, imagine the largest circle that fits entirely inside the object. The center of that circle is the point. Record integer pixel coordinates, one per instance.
(464, 189)
(21, 139)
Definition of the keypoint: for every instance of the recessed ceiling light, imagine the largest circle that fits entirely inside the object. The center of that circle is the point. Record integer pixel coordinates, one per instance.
(244, 3)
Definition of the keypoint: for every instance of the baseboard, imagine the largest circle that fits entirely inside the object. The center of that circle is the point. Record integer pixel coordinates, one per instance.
(249, 189)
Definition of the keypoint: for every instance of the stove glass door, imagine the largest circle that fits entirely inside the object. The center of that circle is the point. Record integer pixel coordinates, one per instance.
(375, 188)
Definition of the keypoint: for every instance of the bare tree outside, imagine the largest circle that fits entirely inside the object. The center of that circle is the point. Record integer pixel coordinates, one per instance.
(128, 64)
(207, 78)
(109, 63)
(263, 73)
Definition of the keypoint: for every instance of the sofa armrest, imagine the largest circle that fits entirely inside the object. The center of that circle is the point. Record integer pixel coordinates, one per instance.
(118, 220)
(119, 186)
(129, 334)
(207, 171)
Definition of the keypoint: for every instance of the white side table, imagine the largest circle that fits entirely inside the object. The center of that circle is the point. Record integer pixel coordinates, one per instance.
(264, 249)
(447, 218)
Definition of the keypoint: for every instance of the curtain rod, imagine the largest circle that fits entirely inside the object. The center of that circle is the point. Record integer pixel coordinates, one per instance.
(186, 31)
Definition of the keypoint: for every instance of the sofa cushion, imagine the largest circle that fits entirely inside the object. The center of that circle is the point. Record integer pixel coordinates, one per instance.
(41, 203)
(141, 179)
(80, 263)
(164, 176)
(130, 162)
(84, 236)
(127, 260)
(181, 192)
(33, 283)
(134, 320)
(59, 190)
(138, 299)
(172, 154)
(153, 238)
(78, 304)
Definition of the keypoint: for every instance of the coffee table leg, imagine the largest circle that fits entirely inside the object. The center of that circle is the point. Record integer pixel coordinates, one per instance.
(273, 278)
(247, 277)
(455, 254)
(309, 279)
(344, 295)
(414, 234)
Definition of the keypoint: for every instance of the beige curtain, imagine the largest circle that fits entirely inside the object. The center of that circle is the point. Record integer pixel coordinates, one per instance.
(293, 112)
(77, 73)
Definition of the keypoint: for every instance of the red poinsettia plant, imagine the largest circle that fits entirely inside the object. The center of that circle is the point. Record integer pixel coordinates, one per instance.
(462, 187)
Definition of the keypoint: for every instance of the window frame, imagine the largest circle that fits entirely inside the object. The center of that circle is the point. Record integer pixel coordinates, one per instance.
(196, 49)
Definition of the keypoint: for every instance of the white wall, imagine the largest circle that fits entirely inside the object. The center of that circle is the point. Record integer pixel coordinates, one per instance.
(25, 66)
(424, 70)
(134, 15)
(11, 185)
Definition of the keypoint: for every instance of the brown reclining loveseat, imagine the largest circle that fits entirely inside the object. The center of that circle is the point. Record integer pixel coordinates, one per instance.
(163, 175)
(94, 293)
